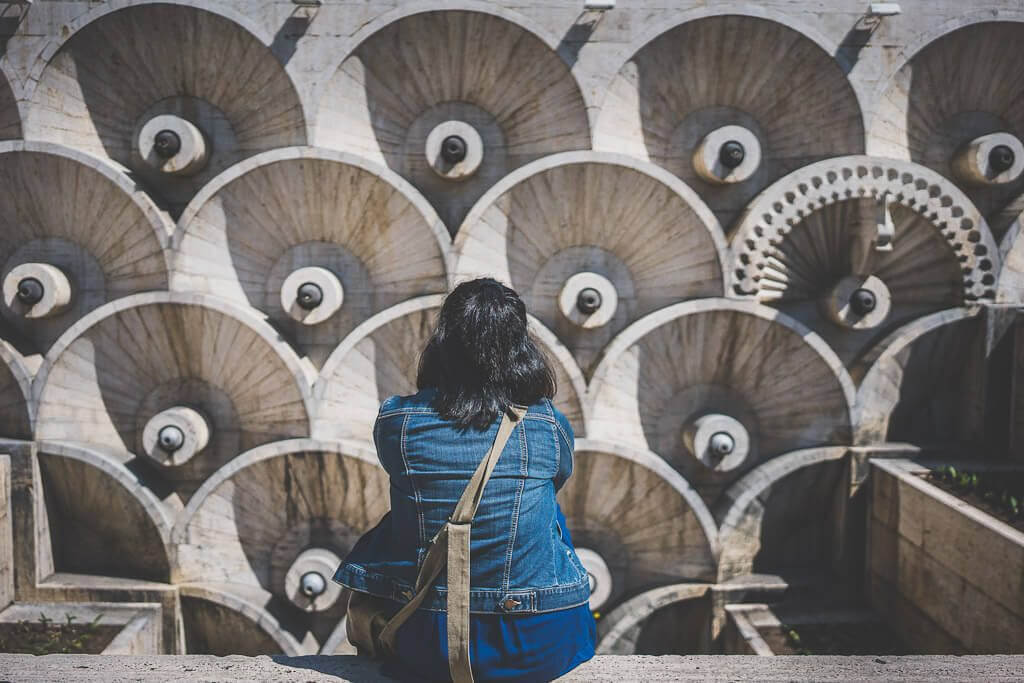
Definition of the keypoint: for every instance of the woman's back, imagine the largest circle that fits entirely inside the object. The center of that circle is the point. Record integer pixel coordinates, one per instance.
(528, 617)
(520, 561)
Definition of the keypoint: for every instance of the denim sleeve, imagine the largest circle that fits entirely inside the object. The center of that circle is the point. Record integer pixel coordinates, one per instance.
(383, 436)
(566, 444)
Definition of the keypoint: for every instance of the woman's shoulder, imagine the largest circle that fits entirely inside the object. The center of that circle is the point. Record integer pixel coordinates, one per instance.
(420, 402)
(545, 409)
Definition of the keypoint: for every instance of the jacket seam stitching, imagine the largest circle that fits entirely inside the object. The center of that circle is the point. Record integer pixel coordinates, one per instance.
(415, 491)
(534, 595)
(564, 435)
(515, 512)
(553, 589)
(555, 549)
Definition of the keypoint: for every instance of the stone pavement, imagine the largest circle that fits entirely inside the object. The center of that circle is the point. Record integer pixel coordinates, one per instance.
(606, 668)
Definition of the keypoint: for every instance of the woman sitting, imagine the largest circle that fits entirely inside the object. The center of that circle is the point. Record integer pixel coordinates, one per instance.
(529, 617)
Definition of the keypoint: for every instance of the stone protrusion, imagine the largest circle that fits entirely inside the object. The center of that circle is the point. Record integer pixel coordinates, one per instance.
(858, 302)
(993, 159)
(172, 145)
(718, 441)
(311, 295)
(454, 150)
(36, 290)
(588, 300)
(307, 583)
(175, 435)
(730, 154)
(600, 577)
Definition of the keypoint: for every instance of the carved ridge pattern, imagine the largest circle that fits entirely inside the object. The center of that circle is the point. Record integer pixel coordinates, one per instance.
(780, 208)
(243, 297)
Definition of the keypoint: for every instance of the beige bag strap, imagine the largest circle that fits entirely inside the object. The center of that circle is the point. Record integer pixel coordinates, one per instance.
(451, 546)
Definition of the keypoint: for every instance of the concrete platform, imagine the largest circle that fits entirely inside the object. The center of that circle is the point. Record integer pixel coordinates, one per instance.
(606, 668)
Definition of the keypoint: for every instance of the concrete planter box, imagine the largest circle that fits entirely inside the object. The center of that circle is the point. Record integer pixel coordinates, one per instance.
(759, 629)
(947, 576)
(140, 624)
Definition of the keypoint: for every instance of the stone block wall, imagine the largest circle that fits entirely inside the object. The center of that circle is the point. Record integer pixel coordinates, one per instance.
(949, 576)
(754, 239)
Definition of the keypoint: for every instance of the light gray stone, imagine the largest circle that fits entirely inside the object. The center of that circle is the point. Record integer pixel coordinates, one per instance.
(309, 154)
(607, 668)
(958, 566)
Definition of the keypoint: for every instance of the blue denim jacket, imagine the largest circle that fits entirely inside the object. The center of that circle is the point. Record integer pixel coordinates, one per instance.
(520, 563)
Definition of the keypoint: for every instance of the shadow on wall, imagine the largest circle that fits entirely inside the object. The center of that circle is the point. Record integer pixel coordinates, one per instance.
(681, 628)
(751, 73)
(939, 378)
(515, 93)
(964, 85)
(214, 629)
(127, 69)
(345, 668)
(96, 526)
(10, 122)
(797, 526)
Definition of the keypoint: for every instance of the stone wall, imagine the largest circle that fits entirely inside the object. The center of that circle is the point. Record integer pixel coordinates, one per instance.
(758, 242)
(948, 576)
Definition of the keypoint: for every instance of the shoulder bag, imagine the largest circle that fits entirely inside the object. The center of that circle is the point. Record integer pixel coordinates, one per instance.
(373, 622)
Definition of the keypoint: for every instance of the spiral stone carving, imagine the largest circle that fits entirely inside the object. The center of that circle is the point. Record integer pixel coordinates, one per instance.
(200, 385)
(730, 154)
(36, 290)
(718, 393)
(757, 248)
(216, 81)
(175, 435)
(767, 221)
(954, 121)
(755, 88)
(993, 159)
(260, 233)
(454, 150)
(720, 442)
(77, 233)
(293, 508)
(614, 257)
(173, 145)
(518, 101)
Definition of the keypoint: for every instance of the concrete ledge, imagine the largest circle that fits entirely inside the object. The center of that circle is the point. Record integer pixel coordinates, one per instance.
(944, 574)
(604, 668)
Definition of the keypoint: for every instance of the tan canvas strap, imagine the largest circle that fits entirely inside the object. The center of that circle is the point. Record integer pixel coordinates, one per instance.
(451, 546)
(458, 602)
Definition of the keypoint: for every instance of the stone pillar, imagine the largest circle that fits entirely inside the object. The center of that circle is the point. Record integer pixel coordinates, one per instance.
(6, 538)
(33, 558)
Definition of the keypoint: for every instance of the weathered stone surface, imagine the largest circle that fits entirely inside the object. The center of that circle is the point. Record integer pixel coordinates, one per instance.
(640, 228)
(6, 536)
(139, 623)
(716, 355)
(99, 100)
(947, 562)
(608, 668)
(763, 246)
(402, 81)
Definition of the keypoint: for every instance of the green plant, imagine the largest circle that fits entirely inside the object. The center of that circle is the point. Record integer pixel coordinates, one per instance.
(48, 636)
(1003, 491)
(793, 639)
